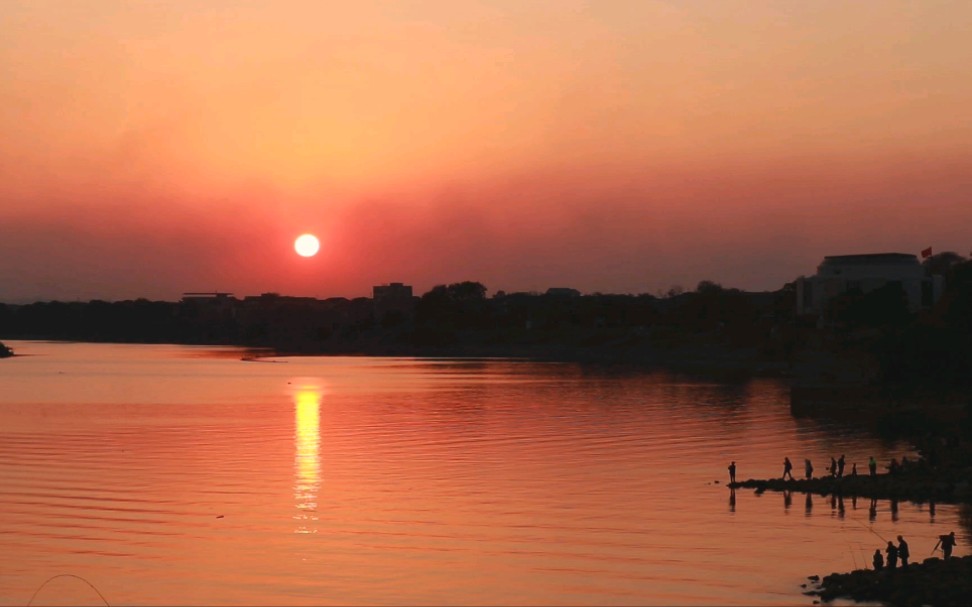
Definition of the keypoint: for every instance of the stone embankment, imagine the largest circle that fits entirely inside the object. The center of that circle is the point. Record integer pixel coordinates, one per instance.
(919, 485)
(933, 582)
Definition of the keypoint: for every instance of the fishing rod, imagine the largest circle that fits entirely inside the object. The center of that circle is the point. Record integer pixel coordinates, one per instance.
(868, 527)
(71, 575)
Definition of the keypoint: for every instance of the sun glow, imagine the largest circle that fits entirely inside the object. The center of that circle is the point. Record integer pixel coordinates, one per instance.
(307, 404)
(307, 245)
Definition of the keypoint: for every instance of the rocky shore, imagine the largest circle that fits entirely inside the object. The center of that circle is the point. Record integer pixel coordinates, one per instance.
(5, 352)
(933, 582)
(920, 485)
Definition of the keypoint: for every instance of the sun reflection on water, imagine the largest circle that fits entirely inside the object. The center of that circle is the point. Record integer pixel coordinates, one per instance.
(307, 464)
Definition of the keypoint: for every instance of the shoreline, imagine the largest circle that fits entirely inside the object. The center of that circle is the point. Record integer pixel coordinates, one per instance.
(924, 484)
(933, 581)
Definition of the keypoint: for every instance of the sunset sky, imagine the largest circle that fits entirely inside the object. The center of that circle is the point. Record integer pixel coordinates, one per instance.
(152, 148)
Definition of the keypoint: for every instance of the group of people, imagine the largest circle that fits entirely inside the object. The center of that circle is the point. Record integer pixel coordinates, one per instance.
(901, 552)
(836, 468)
(894, 553)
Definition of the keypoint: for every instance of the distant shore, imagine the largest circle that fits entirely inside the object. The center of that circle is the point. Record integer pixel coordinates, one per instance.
(707, 359)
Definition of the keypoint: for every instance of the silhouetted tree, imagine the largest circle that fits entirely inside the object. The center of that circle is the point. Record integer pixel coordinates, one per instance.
(941, 263)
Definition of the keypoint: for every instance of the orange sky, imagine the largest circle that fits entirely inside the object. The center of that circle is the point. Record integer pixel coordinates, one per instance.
(151, 148)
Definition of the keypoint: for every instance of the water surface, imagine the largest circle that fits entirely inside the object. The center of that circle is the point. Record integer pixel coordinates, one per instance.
(184, 475)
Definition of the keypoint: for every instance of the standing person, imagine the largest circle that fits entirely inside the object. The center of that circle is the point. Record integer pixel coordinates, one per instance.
(854, 469)
(833, 467)
(840, 466)
(894, 467)
(787, 468)
(947, 542)
(892, 552)
(809, 468)
(872, 466)
(903, 552)
(878, 560)
(732, 472)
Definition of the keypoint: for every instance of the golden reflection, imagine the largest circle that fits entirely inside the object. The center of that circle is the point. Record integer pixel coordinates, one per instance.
(307, 464)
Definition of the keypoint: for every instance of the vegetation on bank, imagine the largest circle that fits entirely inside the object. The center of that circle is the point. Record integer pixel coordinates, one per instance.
(449, 319)
(871, 338)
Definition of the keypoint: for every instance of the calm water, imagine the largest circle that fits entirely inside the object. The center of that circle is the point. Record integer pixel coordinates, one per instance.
(183, 475)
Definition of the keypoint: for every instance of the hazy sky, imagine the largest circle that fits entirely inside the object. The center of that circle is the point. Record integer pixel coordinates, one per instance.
(151, 148)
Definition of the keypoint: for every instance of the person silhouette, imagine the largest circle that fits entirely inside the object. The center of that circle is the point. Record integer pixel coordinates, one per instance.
(808, 468)
(787, 468)
(732, 472)
(872, 466)
(947, 542)
(903, 552)
(894, 467)
(854, 469)
(833, 467)
(878, 560)
(892, 552)
(840, 466)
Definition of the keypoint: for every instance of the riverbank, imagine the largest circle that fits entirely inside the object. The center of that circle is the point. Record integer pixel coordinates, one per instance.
(5, 352)
(709, 359)
(921, 484)
(933, 582)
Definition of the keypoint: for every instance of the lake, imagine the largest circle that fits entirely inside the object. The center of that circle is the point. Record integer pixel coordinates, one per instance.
(166, 475)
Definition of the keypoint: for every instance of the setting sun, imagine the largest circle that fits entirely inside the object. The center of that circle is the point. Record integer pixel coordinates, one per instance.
(307, 245)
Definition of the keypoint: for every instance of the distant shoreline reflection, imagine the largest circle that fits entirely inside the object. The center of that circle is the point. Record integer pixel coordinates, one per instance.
(307, 465)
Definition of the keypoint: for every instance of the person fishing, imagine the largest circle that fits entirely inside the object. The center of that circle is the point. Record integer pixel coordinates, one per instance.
(878, 560)
(903, 552)
(787, 468)
(892, 552)
(947, 542)
(732, 472)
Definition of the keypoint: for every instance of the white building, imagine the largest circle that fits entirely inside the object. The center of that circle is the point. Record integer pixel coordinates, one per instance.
(839, 274)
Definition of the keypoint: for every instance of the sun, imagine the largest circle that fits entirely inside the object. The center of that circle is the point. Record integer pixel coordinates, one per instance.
(307, 245)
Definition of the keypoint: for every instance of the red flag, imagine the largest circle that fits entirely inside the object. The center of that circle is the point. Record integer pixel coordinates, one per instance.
(925, 253)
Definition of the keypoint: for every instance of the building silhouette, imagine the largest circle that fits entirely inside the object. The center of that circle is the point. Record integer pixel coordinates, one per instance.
(860, 274)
